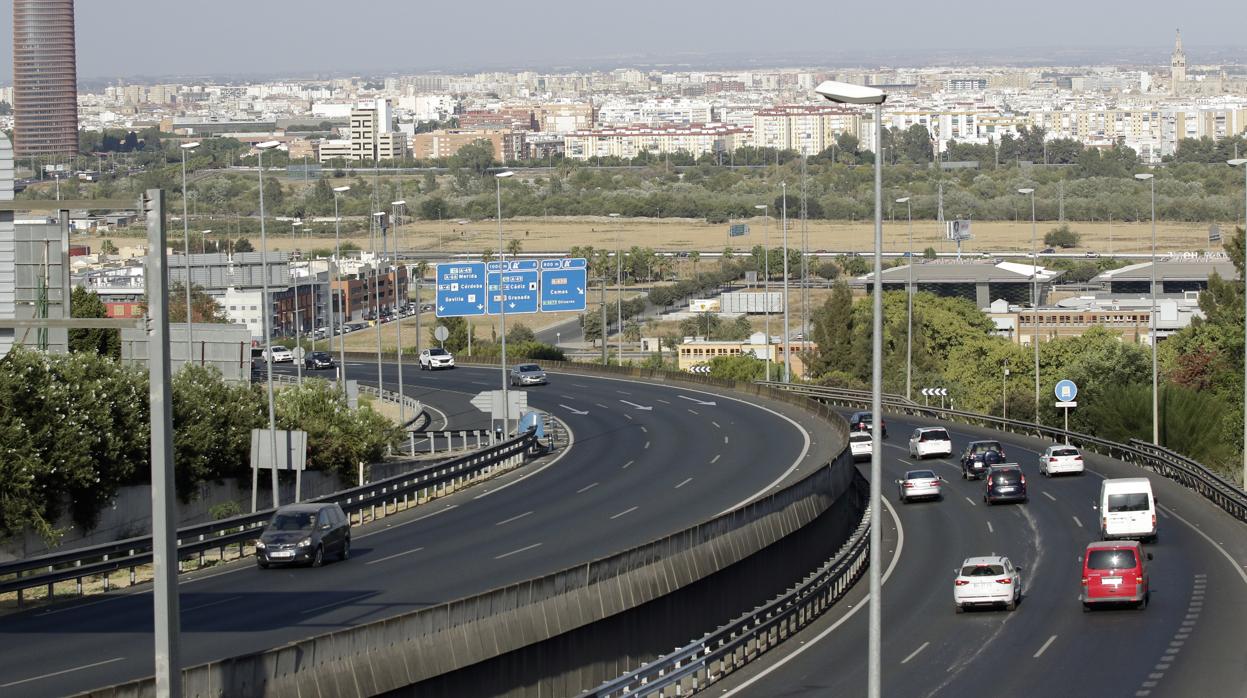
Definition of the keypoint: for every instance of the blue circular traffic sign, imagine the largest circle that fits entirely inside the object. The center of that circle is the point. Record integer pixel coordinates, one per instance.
(1066, 391)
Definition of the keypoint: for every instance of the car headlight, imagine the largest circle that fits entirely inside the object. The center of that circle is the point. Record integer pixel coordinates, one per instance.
(259, 545)
(305, 542)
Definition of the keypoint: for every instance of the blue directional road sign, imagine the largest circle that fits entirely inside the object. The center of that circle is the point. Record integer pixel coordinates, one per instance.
(563, 284)
(519, 283)
(1066, 391)
(460, 289)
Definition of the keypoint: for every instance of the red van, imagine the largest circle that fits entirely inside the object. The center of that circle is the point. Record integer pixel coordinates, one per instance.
(1114, 572)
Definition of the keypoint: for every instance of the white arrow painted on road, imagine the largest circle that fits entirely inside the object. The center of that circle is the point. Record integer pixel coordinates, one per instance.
(573, 410)
(639, 407)
(693, 399)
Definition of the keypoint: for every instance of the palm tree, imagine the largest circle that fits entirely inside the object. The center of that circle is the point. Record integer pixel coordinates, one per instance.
(514, 246)
(488, 255)
(694, 256)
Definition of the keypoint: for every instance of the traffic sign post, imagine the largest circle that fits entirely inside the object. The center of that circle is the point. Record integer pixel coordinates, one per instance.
(927, 392)
(1066, 391)
(460, 289)
(516, 283)
(563, 284)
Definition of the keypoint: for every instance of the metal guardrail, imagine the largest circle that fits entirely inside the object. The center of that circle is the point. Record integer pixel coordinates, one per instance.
(725, 650)
(1165, 462)
(239, 530)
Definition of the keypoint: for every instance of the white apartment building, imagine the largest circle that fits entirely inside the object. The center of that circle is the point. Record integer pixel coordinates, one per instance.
(654, 112)
(370, 136)
(631, 141)
(807, 129)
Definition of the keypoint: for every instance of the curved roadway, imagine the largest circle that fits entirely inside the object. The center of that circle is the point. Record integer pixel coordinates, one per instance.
(1190, 641)
(647, 460)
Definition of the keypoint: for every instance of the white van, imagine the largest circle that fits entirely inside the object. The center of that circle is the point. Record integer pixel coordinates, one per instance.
(1127, 509)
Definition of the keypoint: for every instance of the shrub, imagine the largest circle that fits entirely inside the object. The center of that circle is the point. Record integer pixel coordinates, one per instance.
(1062, 237)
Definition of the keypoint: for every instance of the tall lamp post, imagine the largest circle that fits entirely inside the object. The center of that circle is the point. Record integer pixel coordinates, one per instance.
(909, 313)
(502, 305)
(398, 307)
(340, 327)
(618, 292)
(1034, 297)
(1242, 162)
(186, 242)
(1151, 180)
(378, 261)
(298, 318)
(266, 325)
(766, 280)
(787, 330)
(845, 93)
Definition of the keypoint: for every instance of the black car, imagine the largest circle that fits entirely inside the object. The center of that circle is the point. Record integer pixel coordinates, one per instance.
(864, 421)
(304, 534)
(318, 359)
(1005, 483)
(979, 456)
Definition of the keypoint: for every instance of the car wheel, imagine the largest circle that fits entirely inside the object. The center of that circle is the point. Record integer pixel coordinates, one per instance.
(1013, 604)
(959, 608)
(346, 550)
(1144, 600)
(1086, 607)
(261, 563)
(318, 558)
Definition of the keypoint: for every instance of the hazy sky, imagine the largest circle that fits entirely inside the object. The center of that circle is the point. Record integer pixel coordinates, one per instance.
(119, 38)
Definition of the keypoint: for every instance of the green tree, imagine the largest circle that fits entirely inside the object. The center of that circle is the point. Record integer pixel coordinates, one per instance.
(514, 246)
(87, 304)
(519, 332)
(476, 157)
(833, 332)
(739, 367)
(108, 247)
(204, 307)
(434, 208)
(457, 333)
(1062, 237)
(212, 423)
(243, 245)
(338, 438)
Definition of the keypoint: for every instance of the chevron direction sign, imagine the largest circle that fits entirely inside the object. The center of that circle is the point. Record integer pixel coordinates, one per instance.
(936, 392)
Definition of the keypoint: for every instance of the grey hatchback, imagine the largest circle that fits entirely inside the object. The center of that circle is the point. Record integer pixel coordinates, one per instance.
(304, 533)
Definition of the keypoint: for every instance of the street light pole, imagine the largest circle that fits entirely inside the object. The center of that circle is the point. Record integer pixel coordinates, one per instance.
(787, 330)
(398, 316)
(298, 342)
(266, 326)
(340, 327)
(1242, 162)
(186, 242)
(766, 281)
(377, 261)
(618, 292)
(909, 301)
(846, 93)
(1151, 180)
(502, 305)
(1034, 297)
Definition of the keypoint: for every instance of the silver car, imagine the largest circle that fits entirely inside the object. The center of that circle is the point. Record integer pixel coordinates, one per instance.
(918, 484)
(528, 374)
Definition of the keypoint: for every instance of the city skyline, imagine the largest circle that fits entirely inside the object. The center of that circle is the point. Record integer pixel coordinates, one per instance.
(289, 39)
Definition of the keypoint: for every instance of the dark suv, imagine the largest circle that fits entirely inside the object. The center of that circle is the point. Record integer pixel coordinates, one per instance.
(979, 456)
(304, 533)
(1005, 483)
(864, 421)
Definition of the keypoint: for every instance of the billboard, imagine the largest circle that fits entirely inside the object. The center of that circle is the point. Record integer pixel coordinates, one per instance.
(958, 229)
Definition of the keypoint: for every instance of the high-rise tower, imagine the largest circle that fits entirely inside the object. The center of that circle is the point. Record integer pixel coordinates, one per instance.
(1177, 66)
(45, 78)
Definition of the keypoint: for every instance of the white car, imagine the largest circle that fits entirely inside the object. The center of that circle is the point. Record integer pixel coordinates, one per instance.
(436, 358)
(918, 483)
(281, 354)
(861, 444)
(1060, 459)
(987, 581)
(930, 441)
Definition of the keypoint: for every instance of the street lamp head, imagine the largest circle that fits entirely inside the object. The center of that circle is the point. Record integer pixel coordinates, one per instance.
(189, 146)
(847, 93)
(268, 145)
(903, 200)
(761, 207)
(1144, 176)
(504, 175)
(1027, 190)
(297, 223)
(1237, 162)
(612, 215)
(379, 214)
(209, 230)
(400, 202)
(342, 188)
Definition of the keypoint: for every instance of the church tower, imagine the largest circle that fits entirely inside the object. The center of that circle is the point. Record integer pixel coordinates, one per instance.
(1177, 66)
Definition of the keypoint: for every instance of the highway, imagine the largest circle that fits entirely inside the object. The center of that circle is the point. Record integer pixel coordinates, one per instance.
(1188, 642)
(646, 460)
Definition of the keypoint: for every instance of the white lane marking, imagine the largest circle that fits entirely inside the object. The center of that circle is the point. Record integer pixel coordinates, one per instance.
(1044, 647)
(623, 392)
(571, 441)
(628, 416)
(625, 512)
(686, 481)
(586, 488)
(339, 602)
(715, 459)
(865, 602)
(218, 602)
(404, 523)
(989, 527)
(1234, 563)
(580, 385)
(1049, 496)
(443, 415)
(803, 450)
(1163, 514)
(971, 501)
(567, 397)
(913, 654)
(391, 557)
(663, 401)
(644, 430)
(513, 518)
(646, 444)
(694, 412)
(62, 671)
(517, 552)
(716, 425)
(625, 465)
(1076, 521)
(478, 383)
(601, 405)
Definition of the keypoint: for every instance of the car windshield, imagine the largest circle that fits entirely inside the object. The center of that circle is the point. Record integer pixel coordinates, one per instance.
(1129, 501)
(1110, 559)
(982, 570)
(295, 521)
(528, 368)
(1064, 451)
(936, 435)
(919, 475)
(859, 437)
(438, 352)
